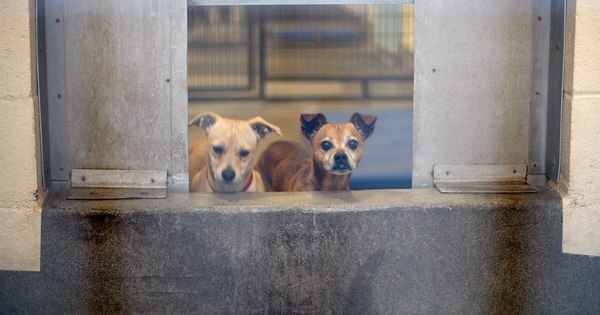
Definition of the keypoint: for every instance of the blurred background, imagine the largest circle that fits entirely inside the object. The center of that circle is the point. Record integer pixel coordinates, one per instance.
(280, 61)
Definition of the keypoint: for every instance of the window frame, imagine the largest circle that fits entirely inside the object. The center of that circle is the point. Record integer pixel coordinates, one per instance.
(546, 100)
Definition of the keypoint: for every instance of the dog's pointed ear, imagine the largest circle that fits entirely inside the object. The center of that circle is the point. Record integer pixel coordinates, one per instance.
(262, 127)
(364, 124)
(205, 120)
(311, 123)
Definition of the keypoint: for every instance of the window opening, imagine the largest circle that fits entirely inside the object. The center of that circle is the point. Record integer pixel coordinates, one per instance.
(280, 61)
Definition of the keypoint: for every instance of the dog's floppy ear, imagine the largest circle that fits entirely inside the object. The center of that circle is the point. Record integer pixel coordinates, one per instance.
(311, 123)
(204, 120)
(364, 124)
(262, 128)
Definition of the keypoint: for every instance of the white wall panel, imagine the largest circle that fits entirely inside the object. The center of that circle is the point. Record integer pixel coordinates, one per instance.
(473, 74)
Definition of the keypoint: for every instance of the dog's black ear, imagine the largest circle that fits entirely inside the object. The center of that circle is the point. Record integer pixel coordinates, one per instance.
(204, 120)
(364, 124)
(262, 127)
(311, 123)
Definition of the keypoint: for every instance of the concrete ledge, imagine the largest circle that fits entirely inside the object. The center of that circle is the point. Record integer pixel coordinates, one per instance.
(18, 177)
(17, 55)
(20, 238)
(361, 252)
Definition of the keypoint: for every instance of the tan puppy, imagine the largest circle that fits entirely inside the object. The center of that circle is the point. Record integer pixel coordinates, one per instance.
(337, 150)
(223, 162)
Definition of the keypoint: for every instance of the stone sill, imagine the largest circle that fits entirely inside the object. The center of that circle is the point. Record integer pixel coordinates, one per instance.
(359, 252)
(326, 202)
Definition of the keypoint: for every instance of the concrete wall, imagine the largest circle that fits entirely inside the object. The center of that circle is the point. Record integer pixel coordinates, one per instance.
(580, 161)
(359, 252)
(20, 213)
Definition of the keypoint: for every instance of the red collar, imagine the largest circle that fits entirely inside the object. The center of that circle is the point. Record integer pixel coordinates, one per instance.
(248, 183)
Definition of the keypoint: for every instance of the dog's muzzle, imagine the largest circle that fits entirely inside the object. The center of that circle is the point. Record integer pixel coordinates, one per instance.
(228, 175)
(341, 162)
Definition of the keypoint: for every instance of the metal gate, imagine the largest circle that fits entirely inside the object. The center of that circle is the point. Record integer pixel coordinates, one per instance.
(280, 52)
(221, 54)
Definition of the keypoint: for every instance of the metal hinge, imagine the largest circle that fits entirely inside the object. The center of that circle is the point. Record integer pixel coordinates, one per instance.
(482, 178)
(117, 184)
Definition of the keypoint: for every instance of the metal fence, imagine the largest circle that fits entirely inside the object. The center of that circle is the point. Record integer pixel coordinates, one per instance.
(219, 50)
(236, 51)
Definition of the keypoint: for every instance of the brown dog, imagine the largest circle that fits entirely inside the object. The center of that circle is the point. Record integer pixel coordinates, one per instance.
(337, 150)
(224, 161)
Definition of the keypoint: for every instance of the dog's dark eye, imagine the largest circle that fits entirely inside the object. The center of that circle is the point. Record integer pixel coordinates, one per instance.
(352, 144)
(244, 153)
(218, 150)
(326, 145)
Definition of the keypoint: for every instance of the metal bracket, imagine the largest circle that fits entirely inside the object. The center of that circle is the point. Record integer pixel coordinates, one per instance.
(482, 179)
(117, 184)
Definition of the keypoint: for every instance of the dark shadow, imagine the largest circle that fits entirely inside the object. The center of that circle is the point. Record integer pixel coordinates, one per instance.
(360, 298)
(102, 240)
(522, 242)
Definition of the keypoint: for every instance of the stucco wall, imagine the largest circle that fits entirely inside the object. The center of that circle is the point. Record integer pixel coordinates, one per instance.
(20, 213)
(580, 161)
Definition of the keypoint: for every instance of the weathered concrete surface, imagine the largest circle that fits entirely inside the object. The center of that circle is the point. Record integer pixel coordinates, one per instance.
(580, 143)
(361, 252)
(111, 92)
(17, 61)
(20, 214)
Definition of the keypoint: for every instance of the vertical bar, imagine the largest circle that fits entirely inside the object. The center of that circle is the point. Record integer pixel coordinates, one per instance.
(56, 90)
(254, 28)
(42, 76)
(364, 84)
(247, 30)
(178, 90)
(262, 54)
(555, 89)
(539, 98)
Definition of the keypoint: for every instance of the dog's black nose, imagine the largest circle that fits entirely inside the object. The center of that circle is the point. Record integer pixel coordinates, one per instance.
(228, 175)
(340, 157)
